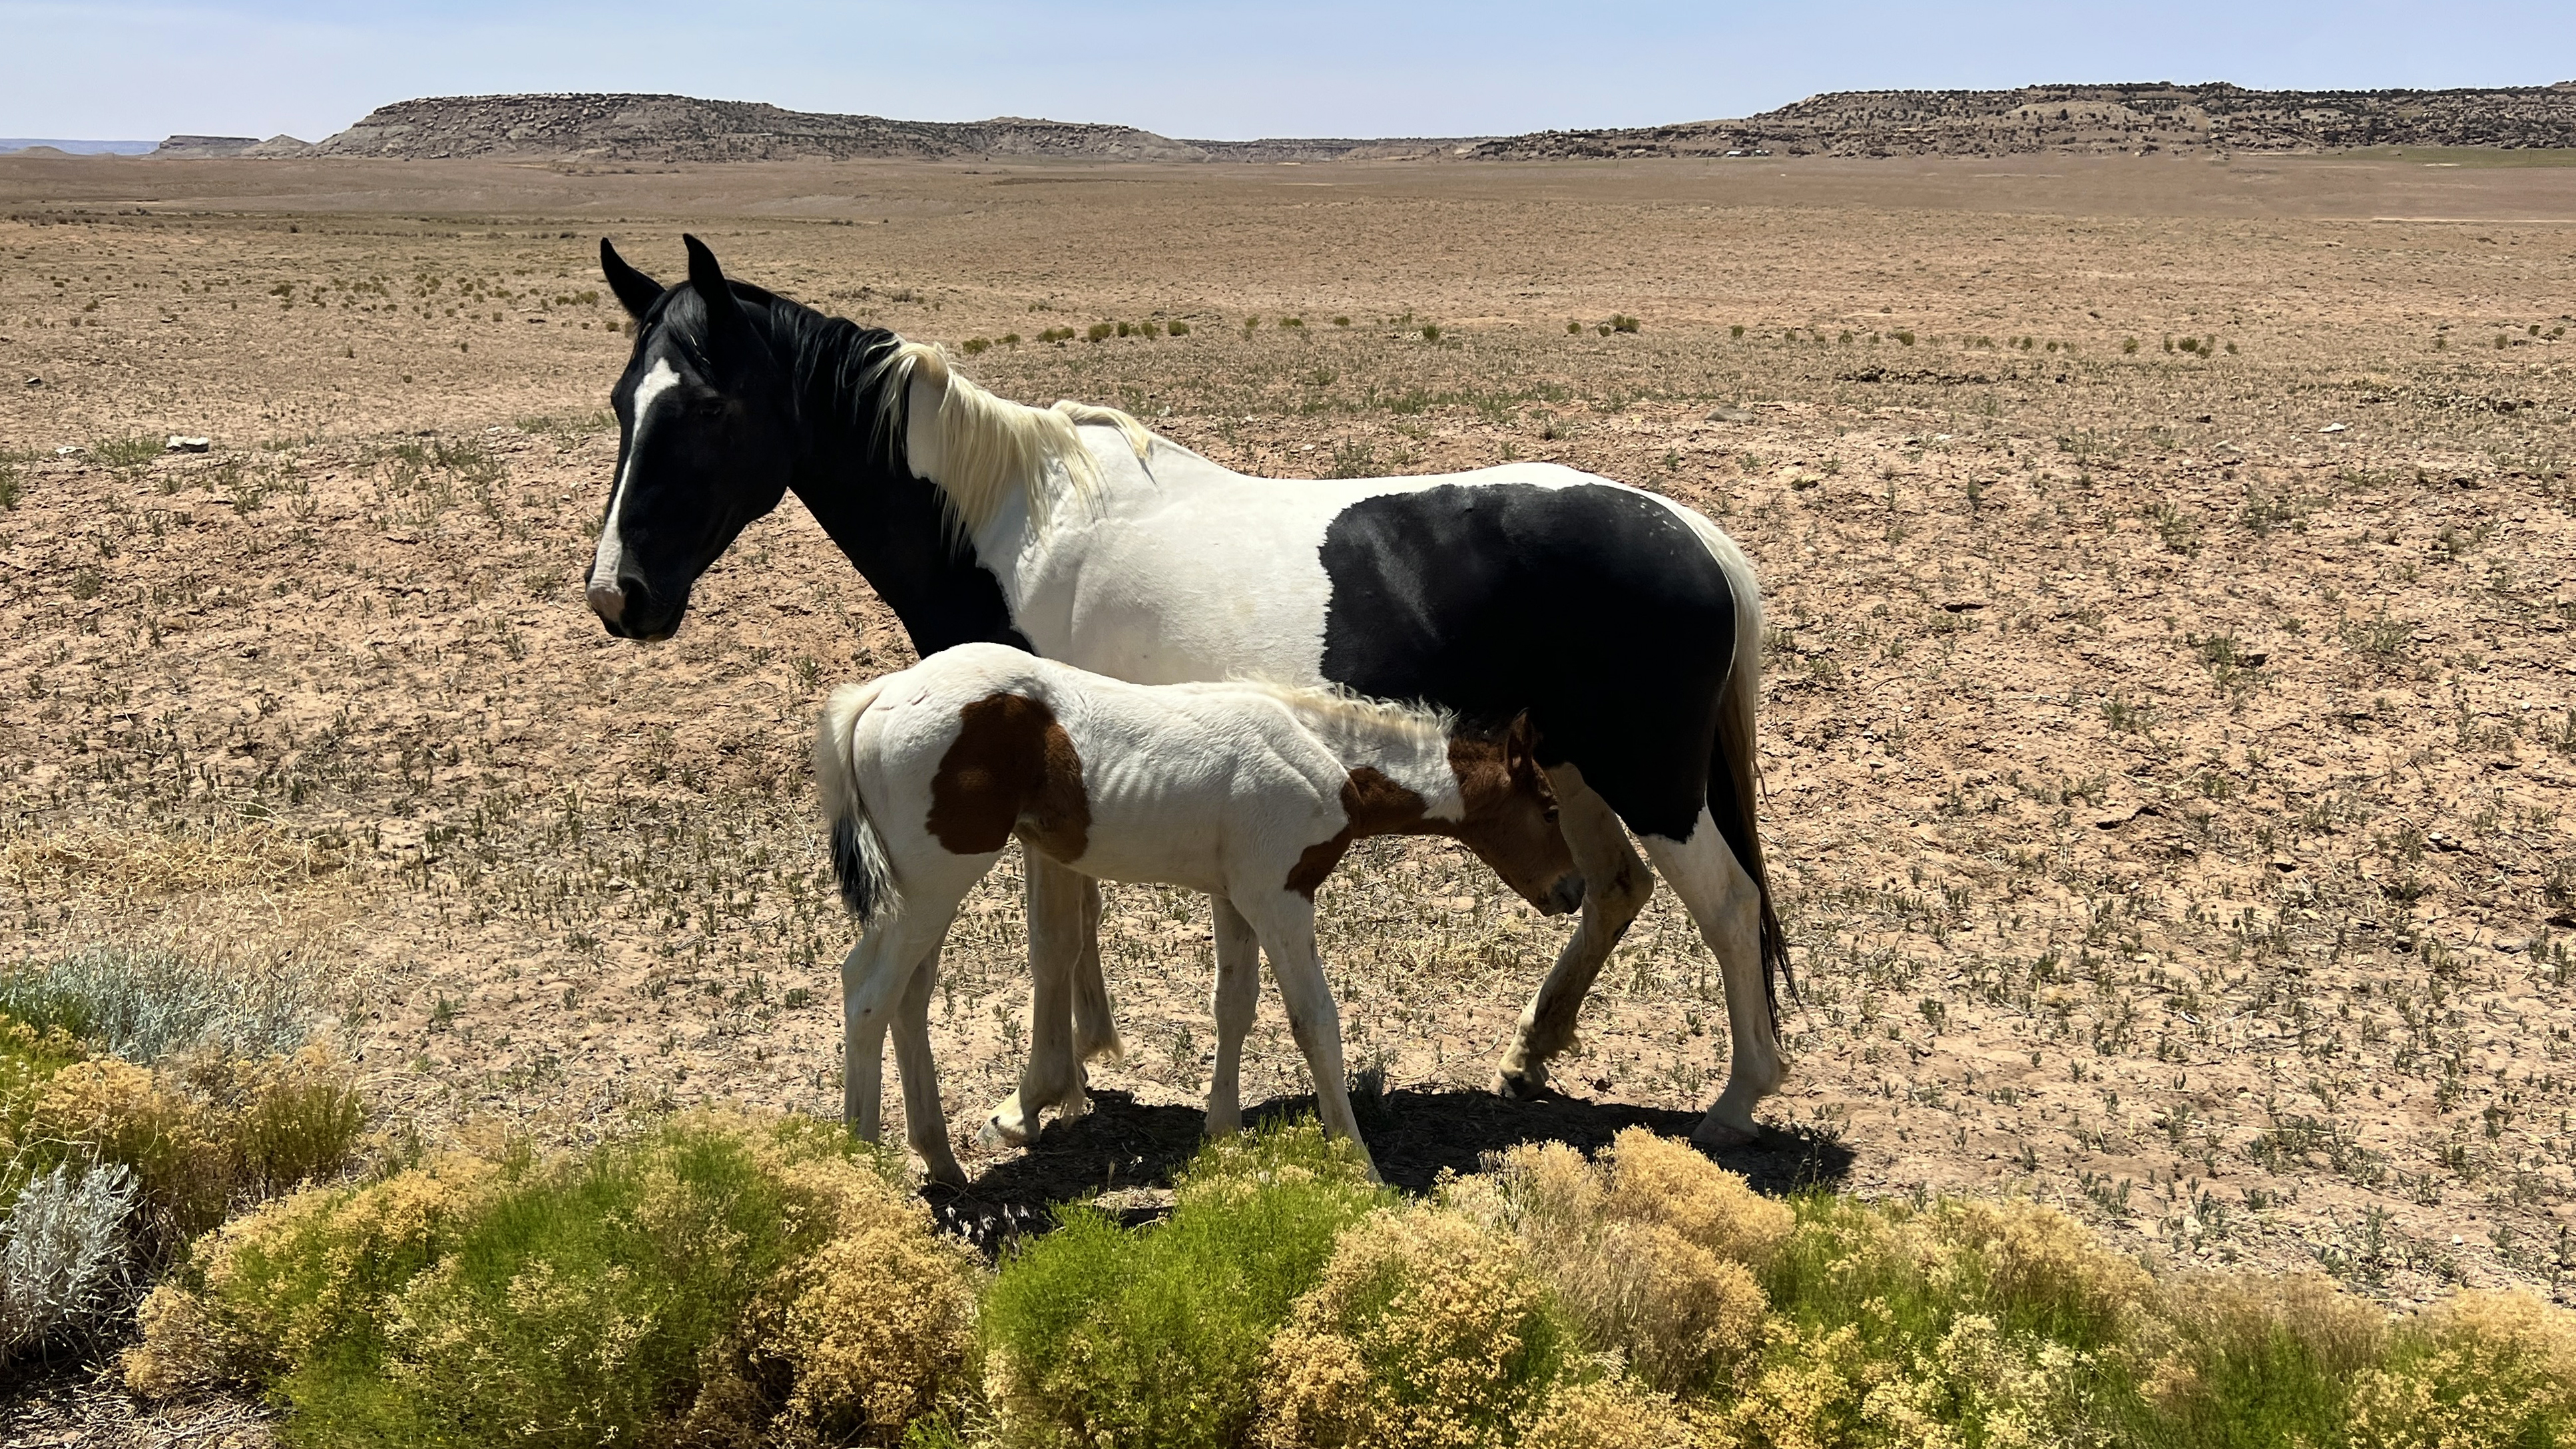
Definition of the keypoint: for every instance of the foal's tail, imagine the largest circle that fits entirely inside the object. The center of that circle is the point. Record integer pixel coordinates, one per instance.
(858, 852)
(1734, 783)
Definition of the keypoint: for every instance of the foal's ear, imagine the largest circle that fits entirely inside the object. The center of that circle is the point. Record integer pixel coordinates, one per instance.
(637, 291)
(1520, 747)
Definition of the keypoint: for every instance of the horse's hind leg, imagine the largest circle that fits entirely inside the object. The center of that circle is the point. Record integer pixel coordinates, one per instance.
(1095, 1027)
(1061, 907)
(925, 1124)
(1726, 905)
(1615, 887)
(1238, 989)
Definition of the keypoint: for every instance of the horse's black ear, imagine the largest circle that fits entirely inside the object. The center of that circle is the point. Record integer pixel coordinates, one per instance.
(637, 291)
(724, 314)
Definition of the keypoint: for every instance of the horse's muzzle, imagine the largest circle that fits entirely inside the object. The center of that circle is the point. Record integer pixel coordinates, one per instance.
(1565, 897)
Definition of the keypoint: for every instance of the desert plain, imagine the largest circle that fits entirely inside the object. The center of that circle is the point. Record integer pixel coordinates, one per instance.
(2169, 724)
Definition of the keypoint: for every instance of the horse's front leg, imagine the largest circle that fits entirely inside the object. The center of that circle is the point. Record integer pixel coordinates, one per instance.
(1238, 987)
(1059, 917)
(1286, 924)
(1726, 904)
(1616, 885)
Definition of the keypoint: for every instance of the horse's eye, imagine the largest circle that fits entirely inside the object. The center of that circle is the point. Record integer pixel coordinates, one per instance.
(711, 407)
(1551, 815)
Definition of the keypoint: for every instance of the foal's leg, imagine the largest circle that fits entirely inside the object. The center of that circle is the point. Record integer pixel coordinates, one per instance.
(1286, 923)
(1238, 986)
(1051, 1077)
(925, 1124)
(874, 977)
(1615, 887)
(1727, 907)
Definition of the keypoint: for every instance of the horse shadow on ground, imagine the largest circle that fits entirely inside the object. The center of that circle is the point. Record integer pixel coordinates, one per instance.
(1124, 1155)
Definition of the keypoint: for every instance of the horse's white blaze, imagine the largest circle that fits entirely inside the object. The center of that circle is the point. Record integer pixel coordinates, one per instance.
(612, 548)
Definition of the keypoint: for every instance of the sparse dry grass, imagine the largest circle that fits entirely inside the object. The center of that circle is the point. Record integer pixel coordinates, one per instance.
(2170, 815)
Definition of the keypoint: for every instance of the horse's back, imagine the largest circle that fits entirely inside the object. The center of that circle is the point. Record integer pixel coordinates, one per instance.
(1609, 613)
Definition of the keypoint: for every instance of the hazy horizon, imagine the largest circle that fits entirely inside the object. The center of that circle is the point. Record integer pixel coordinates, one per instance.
(124, 69)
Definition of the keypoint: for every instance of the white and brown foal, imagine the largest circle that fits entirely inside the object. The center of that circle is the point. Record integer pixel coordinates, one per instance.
(1250, 792)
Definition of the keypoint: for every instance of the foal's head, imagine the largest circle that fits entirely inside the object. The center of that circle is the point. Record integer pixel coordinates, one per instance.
(705, 440)
(1508, 816)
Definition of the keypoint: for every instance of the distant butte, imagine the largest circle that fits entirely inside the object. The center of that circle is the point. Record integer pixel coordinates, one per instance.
(2144, 118)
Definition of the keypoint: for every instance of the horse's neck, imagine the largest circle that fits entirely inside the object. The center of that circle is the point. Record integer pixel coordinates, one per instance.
(889, 523)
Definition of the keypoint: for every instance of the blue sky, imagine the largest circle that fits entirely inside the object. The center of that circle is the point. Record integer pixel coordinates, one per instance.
(112, 68)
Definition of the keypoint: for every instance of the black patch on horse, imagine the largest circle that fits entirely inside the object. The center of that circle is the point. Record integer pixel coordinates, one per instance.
(1594, 608)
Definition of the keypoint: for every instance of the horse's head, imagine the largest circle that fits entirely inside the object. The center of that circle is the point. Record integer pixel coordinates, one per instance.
(705, 441)
(1509, 816)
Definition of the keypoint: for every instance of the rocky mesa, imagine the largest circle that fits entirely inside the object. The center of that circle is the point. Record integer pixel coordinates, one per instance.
(2143, 118)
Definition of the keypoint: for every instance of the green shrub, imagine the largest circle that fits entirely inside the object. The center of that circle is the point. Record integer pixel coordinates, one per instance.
(1428, 1329)
(702, 1281)
(2259, 1361)
(10, 488)
(1178, 328)
(107, 1167)
(143, 1004)
(976, 346)
(1430, 333)
(1621, 322)
(1103, 1337)
(2483, 1368)
(1100, 331)
(64, 1268)
(1653, 1252)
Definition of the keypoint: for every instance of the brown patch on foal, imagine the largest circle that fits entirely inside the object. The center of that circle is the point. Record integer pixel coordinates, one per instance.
(1372, 804)
(1012, 771)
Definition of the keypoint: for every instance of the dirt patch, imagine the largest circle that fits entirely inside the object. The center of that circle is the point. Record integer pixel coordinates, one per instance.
(2168, 751)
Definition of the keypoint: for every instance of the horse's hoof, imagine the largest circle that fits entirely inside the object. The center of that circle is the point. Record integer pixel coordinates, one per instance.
(1525, 1084)
(1221, 1127)
(948, 1175)
(996, 1135)
(1718, 1136)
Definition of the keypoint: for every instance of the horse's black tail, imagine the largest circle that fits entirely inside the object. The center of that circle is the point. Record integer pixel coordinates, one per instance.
(859, 859)
(1734, 785)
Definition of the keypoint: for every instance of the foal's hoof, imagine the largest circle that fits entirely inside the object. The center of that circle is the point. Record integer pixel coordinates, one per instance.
(1522, 1084)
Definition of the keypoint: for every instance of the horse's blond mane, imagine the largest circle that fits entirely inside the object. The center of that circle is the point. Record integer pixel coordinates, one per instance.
(990, 449)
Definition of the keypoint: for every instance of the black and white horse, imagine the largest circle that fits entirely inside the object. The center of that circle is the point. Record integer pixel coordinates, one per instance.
(1625, 625)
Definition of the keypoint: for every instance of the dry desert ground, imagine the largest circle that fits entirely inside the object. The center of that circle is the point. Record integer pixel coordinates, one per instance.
(2170, 705)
